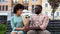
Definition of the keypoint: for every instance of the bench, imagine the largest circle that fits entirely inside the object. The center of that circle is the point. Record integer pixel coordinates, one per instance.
(53, 27)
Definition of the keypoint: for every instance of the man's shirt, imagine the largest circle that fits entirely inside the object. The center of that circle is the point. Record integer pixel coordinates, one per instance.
(40, 20)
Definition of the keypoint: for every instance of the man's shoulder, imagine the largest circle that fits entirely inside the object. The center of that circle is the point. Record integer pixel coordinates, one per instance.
(33, 15)
(45, 15)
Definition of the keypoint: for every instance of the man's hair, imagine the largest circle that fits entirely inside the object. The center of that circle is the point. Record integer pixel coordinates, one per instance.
(40, 7)
(17, 7)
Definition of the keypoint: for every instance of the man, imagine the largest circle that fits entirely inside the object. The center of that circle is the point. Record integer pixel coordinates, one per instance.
(39, 22)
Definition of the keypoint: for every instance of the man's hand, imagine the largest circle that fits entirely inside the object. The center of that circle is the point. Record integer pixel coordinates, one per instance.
(26, 28)
(35, 28)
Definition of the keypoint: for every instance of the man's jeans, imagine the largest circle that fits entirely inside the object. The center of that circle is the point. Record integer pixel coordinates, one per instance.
(38, 32)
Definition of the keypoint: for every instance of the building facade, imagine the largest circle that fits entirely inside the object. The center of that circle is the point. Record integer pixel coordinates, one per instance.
(6, 7)
(29, 4)
(48, 10)
(5, 10)
(32, 3)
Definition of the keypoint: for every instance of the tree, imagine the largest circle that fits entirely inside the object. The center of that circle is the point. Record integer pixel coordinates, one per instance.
(54, 5)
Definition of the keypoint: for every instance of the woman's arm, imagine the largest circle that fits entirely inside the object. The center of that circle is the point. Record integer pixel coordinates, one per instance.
(25, 28)
(12, 23)
(20, 28)
(14, 27)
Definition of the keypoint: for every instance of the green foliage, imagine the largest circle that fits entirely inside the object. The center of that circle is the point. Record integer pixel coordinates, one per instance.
(2, 32)
(27, 16)
(2, 28)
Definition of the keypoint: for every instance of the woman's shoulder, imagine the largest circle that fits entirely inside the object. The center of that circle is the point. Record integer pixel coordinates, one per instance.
(12, 17)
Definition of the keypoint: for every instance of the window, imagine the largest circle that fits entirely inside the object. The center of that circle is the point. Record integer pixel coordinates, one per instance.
(25, 1)
(15, 1)
(34, 0)
(46, 12)
(3, 19)
(3, 0)
(55, 17)
(26, 7)
(51, 14)
(3, 8)
(6, 7)
(46, 5)
(32, 8)
(57, 13)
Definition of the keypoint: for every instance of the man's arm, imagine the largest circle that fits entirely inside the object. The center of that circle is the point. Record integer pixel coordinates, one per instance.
(45, 23)
(32, 27)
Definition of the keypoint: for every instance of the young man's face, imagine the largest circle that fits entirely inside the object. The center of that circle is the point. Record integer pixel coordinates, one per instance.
(37, 10)
(19, 12)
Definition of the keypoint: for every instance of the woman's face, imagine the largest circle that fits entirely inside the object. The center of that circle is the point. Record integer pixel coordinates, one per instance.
(19, 12)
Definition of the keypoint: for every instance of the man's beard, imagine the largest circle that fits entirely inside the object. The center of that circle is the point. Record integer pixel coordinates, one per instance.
(38, 12)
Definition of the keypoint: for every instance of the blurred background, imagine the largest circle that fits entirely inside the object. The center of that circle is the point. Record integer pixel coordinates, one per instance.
(50, 7)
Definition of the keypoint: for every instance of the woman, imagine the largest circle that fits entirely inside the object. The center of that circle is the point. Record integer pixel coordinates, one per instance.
(16, 20)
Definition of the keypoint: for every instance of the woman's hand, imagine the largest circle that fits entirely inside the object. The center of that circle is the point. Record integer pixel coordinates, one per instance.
(20, 28)
(25, 28)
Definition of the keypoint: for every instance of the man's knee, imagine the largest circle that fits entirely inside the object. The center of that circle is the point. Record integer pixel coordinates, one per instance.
(32, 32)
(45, 32)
